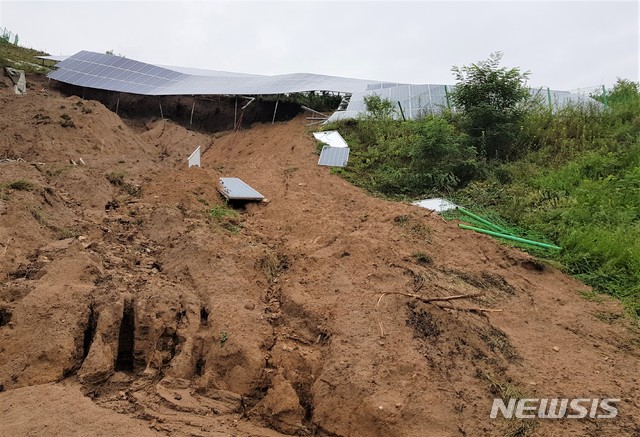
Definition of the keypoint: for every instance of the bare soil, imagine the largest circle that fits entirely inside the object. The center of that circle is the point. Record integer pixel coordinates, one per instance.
(125, 309)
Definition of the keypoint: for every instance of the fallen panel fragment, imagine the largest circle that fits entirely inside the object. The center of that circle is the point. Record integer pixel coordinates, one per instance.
(236, 189)
(334, 156)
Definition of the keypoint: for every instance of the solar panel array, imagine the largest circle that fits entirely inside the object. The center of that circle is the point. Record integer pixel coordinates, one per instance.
(420, 100)
(334, 156)
(116, 73)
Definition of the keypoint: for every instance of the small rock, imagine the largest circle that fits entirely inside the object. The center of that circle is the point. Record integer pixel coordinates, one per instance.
(380, 407)
(82, 237)
(177, 396)
(122, 395)
(249, 306)
(154, 271)
(556, 348)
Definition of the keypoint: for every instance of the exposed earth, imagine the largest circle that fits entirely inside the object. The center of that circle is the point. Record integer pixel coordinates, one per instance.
(126, 308)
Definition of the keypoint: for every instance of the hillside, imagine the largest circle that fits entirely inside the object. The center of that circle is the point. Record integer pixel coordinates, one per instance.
(133, 298)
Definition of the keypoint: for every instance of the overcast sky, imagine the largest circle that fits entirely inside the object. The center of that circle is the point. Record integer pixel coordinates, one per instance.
(565, 45)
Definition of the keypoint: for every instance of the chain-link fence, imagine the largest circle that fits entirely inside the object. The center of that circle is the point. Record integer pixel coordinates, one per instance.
(7, 36)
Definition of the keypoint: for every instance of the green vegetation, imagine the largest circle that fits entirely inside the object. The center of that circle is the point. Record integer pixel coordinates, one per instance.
(223, 337)
(219, 212)
(490, 99)
(20, 58)
(226, 217)
(406, 158)
(568, 176)
(579, 184)
(321, 101)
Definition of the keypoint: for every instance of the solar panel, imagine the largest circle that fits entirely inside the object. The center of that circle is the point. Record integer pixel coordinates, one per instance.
(236, 189)
(334, 156)
(114, 73)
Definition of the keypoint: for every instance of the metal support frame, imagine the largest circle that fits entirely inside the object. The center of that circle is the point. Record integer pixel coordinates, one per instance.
(160, 103)
(320, 114)
(118, 104)
(273, 120)
(193, 107)
(235, 114)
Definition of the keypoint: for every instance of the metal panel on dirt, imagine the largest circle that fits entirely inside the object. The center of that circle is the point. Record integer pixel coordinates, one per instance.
(236, 189)
(334, 156)
(331, 138)
(436, 204)
(194, 159)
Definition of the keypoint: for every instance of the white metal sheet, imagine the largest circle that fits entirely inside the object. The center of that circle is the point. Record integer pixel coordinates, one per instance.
(331, 138)
(436, 204)
(194, 159)
(334, 156)
(236, 189)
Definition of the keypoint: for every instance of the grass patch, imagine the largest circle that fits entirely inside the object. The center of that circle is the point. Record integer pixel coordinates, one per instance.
(226, 217)
(422, 258)
(21, 185)
(219, 212)
(21, 58)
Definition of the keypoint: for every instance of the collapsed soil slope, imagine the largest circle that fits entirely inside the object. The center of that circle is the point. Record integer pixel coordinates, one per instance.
(118, 284)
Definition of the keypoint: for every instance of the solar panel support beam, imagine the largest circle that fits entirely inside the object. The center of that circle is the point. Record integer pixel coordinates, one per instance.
(160, 103)
(235, 114)
(273, 120)
(117, 103)
(314, 111)
(193, 107)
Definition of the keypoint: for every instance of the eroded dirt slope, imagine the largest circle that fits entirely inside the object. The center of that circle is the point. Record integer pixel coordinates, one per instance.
(118, 285)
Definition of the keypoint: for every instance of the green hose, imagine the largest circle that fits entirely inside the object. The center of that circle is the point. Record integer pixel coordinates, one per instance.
(511, 237)
(482, 220)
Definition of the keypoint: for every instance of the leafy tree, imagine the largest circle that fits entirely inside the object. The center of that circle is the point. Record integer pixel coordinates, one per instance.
(379, 108)
(490, 100)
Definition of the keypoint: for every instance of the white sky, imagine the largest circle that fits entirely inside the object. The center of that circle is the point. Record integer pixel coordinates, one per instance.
(565, 45)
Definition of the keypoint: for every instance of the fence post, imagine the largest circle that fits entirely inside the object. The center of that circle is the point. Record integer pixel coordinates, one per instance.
(446, 93)
(401, 111)
(549, 97)
(604, 97)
